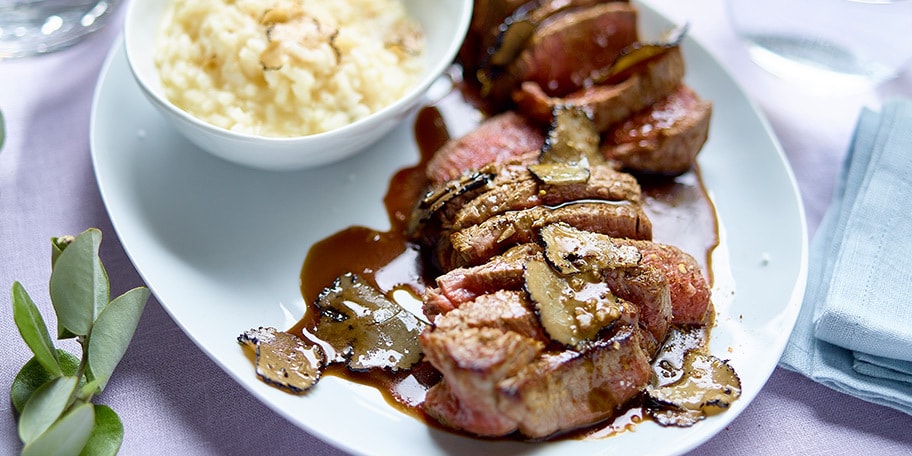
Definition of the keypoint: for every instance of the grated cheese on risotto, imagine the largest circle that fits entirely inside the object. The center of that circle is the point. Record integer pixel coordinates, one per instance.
(287, 67)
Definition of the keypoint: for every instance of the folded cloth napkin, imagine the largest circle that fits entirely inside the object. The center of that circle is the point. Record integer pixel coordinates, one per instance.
(854, 333)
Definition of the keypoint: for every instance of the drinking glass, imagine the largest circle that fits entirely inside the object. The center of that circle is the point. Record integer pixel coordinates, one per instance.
(826, 42)
(35, 27)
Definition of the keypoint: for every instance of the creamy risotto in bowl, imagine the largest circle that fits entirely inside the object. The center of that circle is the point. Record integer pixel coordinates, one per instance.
(286, 67)
(288, 84)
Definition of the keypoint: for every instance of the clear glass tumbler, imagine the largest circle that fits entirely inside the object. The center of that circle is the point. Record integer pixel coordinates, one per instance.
(828, 42)
(35, 27)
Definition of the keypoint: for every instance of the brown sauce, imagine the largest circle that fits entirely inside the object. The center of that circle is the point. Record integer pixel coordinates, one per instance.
(679, 208)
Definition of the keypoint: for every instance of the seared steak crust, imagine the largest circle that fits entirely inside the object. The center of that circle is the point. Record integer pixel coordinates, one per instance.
(500, 139)
(501, 309)
(595, 34)
(461, 285)
(647, 288)
(689, 290)
(565, 390)
(476, 244)
(473, 361)
(514, 189)
(609, 103)
(521, 190)
(662, 139)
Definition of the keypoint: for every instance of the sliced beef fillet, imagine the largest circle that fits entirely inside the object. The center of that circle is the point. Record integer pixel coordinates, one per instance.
(466, 221)
(662, 139)
(645, 286)
(565, 49)
(500, 29)
(648, 289)
(500, 377)
(522, 190)
(504, 138)
(462, 285)
(609, 104)
(687, 289)
(569, 389)
(507, 310)
(620, 265)
(691, 302)
(474, 354)
(511, 188)
(476, 244)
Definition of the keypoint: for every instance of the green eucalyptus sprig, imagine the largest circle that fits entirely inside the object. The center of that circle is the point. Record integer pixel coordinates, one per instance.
(2, 130)
(53, 391)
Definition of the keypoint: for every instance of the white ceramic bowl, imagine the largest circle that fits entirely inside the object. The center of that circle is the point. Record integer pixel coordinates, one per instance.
(444, 22)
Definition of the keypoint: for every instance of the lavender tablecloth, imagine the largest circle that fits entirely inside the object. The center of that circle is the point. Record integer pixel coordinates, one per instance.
(174, 400)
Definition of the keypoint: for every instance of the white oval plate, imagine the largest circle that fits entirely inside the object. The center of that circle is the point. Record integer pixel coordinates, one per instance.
(221, 247)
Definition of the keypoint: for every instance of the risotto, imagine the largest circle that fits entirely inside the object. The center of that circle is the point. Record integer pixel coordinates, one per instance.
(287, 67)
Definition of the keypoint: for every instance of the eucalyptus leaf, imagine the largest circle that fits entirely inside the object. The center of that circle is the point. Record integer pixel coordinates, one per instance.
(88, 389)
(79, 285)
(33, 330)
(58, 244)
(2, 130)
(44, 407)
(33, 375)
(108, 434)
(66, 437)
(63, 333)
(113, 331)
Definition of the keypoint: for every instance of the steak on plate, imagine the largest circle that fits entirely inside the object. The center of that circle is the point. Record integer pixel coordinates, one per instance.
(500, 377)
(663, 138)
(565, 49)
(462, 285)
(519, 189)
(609, 103)
(691, 302)
(475, 349)
(569, 389)
(551, 299)
(478, 243)
(500, 139)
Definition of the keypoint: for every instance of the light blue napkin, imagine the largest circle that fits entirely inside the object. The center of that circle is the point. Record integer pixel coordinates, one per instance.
(854, 333)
